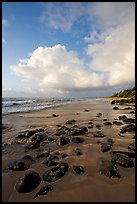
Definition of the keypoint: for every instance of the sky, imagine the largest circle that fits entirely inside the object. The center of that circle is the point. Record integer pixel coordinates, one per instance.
(67, 49)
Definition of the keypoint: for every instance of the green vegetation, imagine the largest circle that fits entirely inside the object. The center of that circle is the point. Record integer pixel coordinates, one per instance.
(128, 93)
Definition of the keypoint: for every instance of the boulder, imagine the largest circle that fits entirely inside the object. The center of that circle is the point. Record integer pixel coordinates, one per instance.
(107, 123)
(77, 131)
(55, 173)
(21, 164)
(105, 147)
(28, 182)
(61, 141)
(129, 120)
(117, 123)
(129, 154)
(121, 117)
(122, 160)
(128, 128)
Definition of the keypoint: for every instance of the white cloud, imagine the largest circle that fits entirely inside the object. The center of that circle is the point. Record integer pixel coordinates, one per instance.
(55, 68)
(62, 15)
(5, 24)
(115, 54)
(111, 48)
(3, 40)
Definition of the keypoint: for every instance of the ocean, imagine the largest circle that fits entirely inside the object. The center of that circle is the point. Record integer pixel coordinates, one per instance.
(14, 105)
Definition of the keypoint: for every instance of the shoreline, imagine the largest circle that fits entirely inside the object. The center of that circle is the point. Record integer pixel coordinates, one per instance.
(72, 186)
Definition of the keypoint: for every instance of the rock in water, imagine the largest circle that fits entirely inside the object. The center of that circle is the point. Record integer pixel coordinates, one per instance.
(108, 168)
(18, 166)
(105, 147)
(61, 141)
(56, 172)
(99, 134)
(44, 190)
(21, 164)
(122, 160)
(78, 169)
(28, 182)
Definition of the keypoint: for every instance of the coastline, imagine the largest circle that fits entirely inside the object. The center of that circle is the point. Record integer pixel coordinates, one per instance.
(71, 187)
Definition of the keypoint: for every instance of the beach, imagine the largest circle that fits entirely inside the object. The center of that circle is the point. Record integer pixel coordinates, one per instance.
(87, 186)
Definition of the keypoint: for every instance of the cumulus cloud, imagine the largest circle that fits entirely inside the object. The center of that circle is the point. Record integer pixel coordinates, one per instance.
(111, 46)
(113, 50)
(56, 68)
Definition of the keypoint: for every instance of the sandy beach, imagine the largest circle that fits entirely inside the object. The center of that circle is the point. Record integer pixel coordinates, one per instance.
(88, 186)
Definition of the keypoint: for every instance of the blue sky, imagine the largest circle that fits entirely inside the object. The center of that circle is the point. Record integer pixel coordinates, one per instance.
(67, 48)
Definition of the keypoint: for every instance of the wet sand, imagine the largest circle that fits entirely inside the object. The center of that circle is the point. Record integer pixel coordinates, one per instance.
(90, 186)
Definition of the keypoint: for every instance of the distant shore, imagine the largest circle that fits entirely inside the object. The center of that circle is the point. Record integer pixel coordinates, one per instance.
(90, 186)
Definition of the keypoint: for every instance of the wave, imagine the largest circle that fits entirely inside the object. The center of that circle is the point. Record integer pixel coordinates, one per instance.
(24, 105)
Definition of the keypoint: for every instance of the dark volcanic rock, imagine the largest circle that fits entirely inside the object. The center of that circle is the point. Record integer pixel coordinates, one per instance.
(60, 132)
(128, 128)
(27, 159)
(132, 112)
(78, 152)
(115, 108)
(132, 147)
(108, 168)
(61, 141)
(129, 120)
(128, 108)
(129, 154)
(105, 147)
(70, 122)
(44, 190)
(33, 145)
(77, 131)
(55, 173)
(99, 114)
(21, 164)
(99, 134)
(39, 137)
(107, 123)
(36, 139)
(86, 110)
(29, 133)
(54, 115)
(122, 160)
(122, 117)
(49, 161)
(18, 166)
(78, 169)
(42, 154)
(117, 123)
(77, 140)
(64, 155)
(98, 126)
(28, 182)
